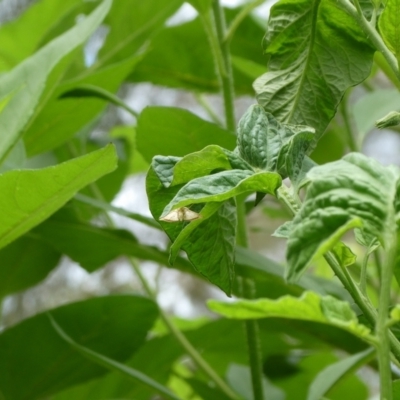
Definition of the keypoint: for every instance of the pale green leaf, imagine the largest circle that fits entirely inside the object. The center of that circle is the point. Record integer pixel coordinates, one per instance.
(303, 39)
(163, 166)
(389, 27)
(342, 195)
(30, 196)
(332, 374)
(309, 307)
(223, 186)
(27, 81)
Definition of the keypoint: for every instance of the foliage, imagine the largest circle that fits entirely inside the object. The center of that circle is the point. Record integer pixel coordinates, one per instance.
(294, 156)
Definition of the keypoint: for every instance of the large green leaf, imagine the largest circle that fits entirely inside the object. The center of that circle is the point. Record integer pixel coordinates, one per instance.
(24, 85)
(36, 362)
(304, 39)
(223, 186)
(24, 263)
(174, 131)
(331, 375)
(61, 119)
(309, 307)
(30, 196)
(342, 195)
(130, 30)
(389, 27)
(21, 37)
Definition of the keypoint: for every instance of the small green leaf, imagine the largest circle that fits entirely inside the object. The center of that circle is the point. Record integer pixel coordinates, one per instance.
(284, 230)
(343, 254)
(222, 186)
(309, 307)
(164, 166)
(389, 27)
(30, 196)
(334, 373)
(391, 119)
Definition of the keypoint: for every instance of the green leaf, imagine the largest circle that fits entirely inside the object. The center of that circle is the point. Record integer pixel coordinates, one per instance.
(112, 364)
(53, 125)
(22, 37)
(223, 186)
(204, 162)
(33, 74)
(30, 196)
(164, 166)
(389, 27)
(174, 131)
(91, 246)
(50, 364)
(396, 389)
(301, 87)
(24, 263)
(331, 375)
(261, 139)
(130, 30)
(342, 195)
(309, 307)
(211, 246)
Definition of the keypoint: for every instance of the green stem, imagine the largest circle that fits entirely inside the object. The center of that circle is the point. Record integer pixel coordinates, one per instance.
(211, 113)
(382, 331)
(244, 12)
(214, 25)
(363, 275)
(345, 278)
(371, 33)
(348, 123)
(247, 290)
(181, 338)
(386, 69)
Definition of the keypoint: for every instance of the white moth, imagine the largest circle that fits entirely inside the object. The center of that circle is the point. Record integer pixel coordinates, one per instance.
(181, 214)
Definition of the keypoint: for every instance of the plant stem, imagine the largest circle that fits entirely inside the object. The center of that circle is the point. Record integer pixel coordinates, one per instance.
(214, 25)
(382, 330)
(371, 33)
(386, 69)
(351, 134)
(181, 338)
(247, 290)
(208, 109)
(244, 12)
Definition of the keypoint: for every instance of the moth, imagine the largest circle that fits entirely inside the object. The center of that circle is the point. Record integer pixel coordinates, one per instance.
(181, 214)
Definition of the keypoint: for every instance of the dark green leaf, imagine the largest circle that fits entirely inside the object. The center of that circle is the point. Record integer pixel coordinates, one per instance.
(174, 131)
(35, 362)
(30, 196)
(301, 86)
(112, 364)
(24, 263)
(33, 74)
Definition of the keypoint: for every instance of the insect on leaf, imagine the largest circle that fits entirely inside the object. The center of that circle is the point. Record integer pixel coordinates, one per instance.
(181, 214)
